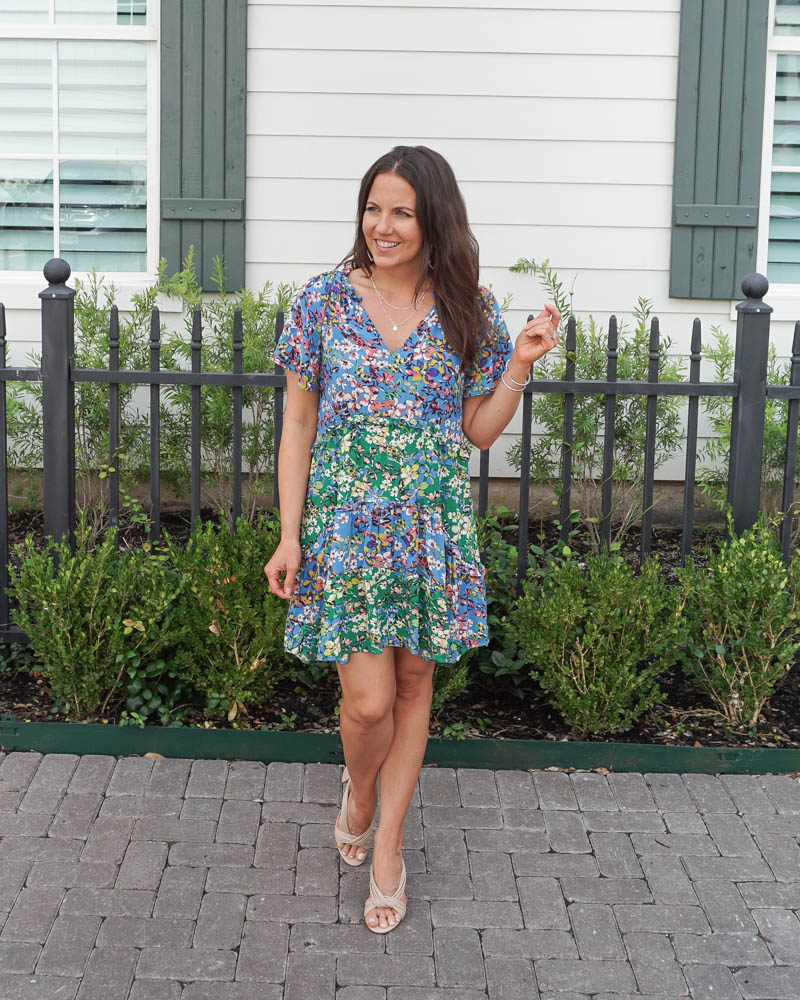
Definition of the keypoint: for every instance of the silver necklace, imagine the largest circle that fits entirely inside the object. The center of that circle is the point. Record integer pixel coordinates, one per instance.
(414, 304)
(396, 326)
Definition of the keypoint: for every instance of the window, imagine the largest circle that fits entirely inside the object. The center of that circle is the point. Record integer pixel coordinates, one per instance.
(76, 139)
(780, 240)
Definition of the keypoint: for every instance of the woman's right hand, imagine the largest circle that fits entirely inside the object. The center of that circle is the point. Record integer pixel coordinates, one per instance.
(285, 559)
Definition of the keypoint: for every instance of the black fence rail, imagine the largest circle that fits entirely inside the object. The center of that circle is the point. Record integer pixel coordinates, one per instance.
(748, 391)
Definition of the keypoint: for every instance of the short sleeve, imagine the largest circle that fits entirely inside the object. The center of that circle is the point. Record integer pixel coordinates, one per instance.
(300, 345)
(493, 352)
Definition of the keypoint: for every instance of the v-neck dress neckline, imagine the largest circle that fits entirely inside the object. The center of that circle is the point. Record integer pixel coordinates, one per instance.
(388, 538)
(406, 345)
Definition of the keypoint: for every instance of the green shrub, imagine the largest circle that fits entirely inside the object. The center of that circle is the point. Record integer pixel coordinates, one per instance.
(598, 636)
(742, 623)
(591, 359)
(87, 612)
(231, 646)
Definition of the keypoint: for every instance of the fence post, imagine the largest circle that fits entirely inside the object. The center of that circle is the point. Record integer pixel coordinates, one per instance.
(58, 402)
(747, 417)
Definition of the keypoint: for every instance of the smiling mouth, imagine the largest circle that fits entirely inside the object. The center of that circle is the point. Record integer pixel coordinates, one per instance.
(384, 245)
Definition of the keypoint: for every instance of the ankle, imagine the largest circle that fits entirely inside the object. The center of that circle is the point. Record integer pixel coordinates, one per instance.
(388, 843)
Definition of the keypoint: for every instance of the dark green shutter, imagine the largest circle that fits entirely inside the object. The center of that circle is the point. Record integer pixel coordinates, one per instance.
(718, 139)
(203, 93)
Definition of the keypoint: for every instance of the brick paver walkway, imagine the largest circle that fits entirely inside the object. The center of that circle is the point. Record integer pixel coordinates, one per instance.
(134, 879)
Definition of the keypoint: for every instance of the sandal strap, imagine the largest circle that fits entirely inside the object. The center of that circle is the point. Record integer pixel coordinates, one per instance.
(341, 830)
(357, 839)
(377, 898)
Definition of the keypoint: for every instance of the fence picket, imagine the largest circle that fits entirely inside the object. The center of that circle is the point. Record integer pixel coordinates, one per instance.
(690, 470)
(155, 428)
(236, 505)
(790, 469)
(524, 490)
(114, 456)
(650, 443)
(196, 413)
(569, 433)
(483, 483)
(607, 488)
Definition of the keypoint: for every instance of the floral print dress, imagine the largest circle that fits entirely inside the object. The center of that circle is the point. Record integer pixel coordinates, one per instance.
(389, 548)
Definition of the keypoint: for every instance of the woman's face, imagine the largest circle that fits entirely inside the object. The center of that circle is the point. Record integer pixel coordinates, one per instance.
(390, 225)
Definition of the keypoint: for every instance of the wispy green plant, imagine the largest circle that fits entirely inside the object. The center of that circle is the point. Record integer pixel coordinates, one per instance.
(591, 359)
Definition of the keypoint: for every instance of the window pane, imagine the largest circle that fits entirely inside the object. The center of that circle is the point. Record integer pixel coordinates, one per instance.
(786, 134)
(26, 120)
(104, 215)
(32, 12)
(787, 17)
(103, 98)
(130, 12)
(26, 214)
(784, 229)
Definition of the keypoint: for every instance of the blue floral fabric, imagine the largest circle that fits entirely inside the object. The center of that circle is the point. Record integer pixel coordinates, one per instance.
(389, 548)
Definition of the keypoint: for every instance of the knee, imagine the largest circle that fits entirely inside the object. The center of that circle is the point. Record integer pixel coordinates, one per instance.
(413, 685)
(367, 710)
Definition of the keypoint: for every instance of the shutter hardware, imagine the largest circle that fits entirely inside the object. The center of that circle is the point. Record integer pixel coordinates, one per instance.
(738, 216)
(204, 209)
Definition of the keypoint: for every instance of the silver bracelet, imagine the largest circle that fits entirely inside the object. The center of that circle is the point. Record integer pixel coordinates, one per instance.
(521, 384)
(511, 387)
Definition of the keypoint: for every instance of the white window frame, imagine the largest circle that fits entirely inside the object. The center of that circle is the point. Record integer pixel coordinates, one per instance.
(16, 286)
(783, 296)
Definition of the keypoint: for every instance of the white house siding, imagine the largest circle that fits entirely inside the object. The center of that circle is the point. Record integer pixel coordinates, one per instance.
(558, 120)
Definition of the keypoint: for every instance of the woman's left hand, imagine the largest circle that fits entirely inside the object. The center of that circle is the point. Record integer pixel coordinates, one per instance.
(538, 336)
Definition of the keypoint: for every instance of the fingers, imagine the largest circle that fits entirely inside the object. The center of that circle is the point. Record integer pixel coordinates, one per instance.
(273, 572)
(545, 324)
(555, 315)
(288, 583)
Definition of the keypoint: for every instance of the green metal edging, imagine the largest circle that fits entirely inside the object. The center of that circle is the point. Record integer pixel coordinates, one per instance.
(307, 748)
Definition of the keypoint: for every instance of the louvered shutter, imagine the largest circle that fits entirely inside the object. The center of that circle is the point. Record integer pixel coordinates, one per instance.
(718, 139)
(203, 93)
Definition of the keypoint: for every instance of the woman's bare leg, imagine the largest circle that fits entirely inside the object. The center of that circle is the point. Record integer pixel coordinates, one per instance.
(400, 770)
(367, 728)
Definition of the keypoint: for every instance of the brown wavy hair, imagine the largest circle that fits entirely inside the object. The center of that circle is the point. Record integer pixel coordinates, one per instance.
(449, 248)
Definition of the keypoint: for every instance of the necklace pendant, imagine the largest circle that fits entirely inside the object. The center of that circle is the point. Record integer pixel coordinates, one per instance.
(394, 329)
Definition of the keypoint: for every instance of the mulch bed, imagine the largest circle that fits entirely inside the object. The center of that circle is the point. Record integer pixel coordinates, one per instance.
(482, 711)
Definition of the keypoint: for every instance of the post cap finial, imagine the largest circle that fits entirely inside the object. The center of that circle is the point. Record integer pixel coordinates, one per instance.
(755, 285)
(57, 271)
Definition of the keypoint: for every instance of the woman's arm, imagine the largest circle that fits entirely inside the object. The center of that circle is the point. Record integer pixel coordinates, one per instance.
(294, 463)
(485, 417)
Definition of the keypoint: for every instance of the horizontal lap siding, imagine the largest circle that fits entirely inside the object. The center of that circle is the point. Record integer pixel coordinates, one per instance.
(558, 120)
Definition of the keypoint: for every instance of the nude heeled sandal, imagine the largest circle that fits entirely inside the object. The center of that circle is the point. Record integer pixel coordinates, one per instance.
(342, 833)
(394, 902)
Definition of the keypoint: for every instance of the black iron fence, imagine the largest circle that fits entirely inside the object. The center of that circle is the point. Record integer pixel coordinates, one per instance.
(58, 376)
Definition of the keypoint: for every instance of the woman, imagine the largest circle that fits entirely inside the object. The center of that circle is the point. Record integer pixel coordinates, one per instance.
(395, 362)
